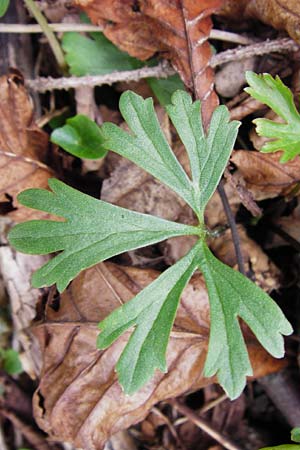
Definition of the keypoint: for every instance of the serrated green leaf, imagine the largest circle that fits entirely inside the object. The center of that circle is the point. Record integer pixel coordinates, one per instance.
(4, 4)
(147, 146)
(96, 56)
(164, 88)
(295, 434)
(232, 295)
(93, 231)
(10, 361)
(273, 93)
(152, 313)
(208, 155)
(81, 137)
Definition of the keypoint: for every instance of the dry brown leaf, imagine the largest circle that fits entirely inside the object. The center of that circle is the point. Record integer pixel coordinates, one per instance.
(177, 29)
(257, 263)
(79, 398)
(281, 14)
(22, 144)
(264, 175)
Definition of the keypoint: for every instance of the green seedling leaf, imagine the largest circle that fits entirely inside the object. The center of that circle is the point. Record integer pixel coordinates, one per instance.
(93, 231)
(4, 4)
(295, 434)
(206, 161)
(164, 88)
(273, 93)
(95, 55)
(152, 313)
(81, 137)
(231, 295)
(10, 361)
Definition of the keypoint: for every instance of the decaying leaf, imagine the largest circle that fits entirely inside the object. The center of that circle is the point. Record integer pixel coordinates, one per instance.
(257, 264)
(177, 29)
(281, 14)
(265, 176)
(22, 145)
(78, 377)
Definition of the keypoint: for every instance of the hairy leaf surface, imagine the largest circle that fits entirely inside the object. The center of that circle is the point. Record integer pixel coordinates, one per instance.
(93, 231)
(152, 313)
(232, 295)
(273, 93)
(206, 160)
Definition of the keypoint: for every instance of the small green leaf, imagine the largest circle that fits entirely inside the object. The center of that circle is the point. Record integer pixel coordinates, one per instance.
(164, 88)
(295, 434)
(96, 56)
(152, 313)
(231, 295)
(11, 362)
(273, 93)
(81, 137)
(4, 4)
(207, 160)
(93, 231)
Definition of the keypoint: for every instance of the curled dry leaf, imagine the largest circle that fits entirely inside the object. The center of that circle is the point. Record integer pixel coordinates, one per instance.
(22, 145)
(79, 399)
(178, 29)
(281, 14)
(265, 175)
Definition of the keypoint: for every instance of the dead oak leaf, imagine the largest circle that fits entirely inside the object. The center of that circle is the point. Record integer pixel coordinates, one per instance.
(264, 174)
(79, 399)
(177, 29)
(22, 146)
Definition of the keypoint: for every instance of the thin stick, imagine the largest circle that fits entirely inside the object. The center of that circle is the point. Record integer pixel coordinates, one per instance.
(162, 70)
(205, 408)
(53, 42)
(41, 84)
(233, 228)
(284, 45)
(204, 425)
(85, 27)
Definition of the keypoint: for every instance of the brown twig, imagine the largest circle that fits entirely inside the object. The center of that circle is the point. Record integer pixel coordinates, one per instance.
(204, 425)
(233, 227)
(30, 28)
(162, 70)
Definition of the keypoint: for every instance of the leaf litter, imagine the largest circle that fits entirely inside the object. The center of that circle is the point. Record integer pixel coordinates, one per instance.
(281, 182)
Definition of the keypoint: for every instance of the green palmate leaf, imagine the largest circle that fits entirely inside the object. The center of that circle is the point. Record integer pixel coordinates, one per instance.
(272, 92)
(93, 231)
(81, 137)
(4, 4)
(152, 313)
(164, 88)
(147, 146)
(96, 56)
(208, 155)
(232, 295)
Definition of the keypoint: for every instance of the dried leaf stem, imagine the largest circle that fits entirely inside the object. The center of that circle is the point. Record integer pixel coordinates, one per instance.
(233, 227)
(219, 35)
(204, 425)
(45, 28)
(162, 70)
